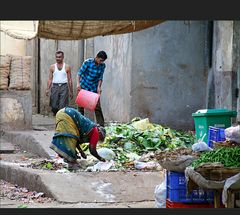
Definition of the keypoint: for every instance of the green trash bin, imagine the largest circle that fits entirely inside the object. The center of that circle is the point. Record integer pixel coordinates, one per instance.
(204, 118)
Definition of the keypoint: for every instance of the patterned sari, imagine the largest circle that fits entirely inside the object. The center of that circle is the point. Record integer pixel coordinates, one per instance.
(68, 134)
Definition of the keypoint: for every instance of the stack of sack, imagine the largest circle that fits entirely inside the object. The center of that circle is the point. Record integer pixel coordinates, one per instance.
(4, 71)
(15, 72)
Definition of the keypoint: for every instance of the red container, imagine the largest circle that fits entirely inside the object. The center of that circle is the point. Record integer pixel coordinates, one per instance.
(87, 99)
(170, 204)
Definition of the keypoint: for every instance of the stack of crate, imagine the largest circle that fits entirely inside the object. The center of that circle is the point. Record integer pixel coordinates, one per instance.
(178, 196)
(215, 134)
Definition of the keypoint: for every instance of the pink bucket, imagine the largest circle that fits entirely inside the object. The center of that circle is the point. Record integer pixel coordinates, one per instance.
(87, 99)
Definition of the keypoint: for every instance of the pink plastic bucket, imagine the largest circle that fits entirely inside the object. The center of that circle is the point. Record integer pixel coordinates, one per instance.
(87, 99)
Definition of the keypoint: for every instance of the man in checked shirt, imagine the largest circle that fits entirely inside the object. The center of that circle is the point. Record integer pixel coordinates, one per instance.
(90, 77)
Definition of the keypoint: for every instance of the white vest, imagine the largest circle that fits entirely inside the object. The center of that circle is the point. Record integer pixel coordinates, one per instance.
(59, 76)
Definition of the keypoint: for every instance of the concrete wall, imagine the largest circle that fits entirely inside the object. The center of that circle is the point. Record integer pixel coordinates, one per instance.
(169, 73)
(73, 55)
(16, 110)
(161, 72)
(158, 73)
(16, 105)
(32, 50)
(116, 98)
(222, 65)
(236, 67)
(226, 64)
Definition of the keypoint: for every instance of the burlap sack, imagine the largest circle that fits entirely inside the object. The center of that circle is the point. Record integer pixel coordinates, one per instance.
(20, 73)
(177, 165)
(4, 71)
(202, 181)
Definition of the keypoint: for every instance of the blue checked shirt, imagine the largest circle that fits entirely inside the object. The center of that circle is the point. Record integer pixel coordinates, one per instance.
(90, 74)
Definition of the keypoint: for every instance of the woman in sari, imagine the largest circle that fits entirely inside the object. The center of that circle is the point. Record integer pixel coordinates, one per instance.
(72, 129)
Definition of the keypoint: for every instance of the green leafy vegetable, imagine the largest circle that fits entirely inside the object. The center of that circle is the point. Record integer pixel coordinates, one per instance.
(228, 156)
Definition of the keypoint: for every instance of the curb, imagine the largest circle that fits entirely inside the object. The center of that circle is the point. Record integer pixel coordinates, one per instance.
(29, 178)
(26, 143)
(85, 187)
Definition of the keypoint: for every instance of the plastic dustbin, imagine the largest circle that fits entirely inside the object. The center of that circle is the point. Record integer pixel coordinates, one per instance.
(87, 99)
(220, 118)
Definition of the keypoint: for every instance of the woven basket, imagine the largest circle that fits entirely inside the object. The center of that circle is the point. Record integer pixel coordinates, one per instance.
(224, 144)
(217, 173)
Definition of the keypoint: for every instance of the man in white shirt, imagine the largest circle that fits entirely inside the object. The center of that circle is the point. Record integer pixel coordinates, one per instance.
(59, 83)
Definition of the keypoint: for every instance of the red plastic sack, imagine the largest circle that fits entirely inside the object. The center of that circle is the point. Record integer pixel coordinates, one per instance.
(87, 99)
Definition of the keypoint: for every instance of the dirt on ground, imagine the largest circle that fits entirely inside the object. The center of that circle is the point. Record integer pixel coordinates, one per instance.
(14, 196)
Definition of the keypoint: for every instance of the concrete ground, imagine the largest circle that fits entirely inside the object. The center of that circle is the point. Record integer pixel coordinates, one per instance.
(118, 189)
(8, 203)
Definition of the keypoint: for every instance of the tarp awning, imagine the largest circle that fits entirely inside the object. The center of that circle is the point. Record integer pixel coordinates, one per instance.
(73, 29)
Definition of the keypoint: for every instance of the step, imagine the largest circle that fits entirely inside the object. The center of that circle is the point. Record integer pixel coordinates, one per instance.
(6, 147)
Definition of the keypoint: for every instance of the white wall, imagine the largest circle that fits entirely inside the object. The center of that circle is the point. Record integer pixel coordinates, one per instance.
(10, 45)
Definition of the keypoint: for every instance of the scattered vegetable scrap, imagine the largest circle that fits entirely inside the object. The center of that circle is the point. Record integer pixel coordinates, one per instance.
(141, 137)
(15, 192)
(127, 143)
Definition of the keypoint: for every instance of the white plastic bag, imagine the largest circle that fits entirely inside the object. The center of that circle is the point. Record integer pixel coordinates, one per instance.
(150, 165)
(160, 195)
(200, 147)
(232, 134)
(101, 166)
(106, 153)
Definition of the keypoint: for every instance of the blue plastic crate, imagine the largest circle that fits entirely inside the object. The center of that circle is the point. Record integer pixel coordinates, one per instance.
(177, 190)
(176, 180)
(215, 134)
(196, 196)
